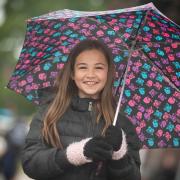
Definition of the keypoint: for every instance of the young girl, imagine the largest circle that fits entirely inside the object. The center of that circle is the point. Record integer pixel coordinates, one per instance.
(71, 136)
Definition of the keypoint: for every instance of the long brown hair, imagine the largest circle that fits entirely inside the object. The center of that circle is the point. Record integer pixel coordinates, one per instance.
(66, 88)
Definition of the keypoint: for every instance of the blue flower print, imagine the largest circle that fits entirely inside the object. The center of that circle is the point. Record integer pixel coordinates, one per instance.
(128, 110)
(144, 75)
(158, 114)
(170, 127)
(142, 91)
(64, 58)
(176, 142)
(127, 93)
(150, 130)
(167, 90)
(146, 28)
(29, 97)
(155, 123)
(140, 81)
(47, 66)
(146, 67)
(167, 107)
(150, 142)
(159, 78)
(118, 58)
(160, 52)
(158, 38)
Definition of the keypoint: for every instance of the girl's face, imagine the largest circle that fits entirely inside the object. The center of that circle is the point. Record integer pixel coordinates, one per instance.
(90, 73)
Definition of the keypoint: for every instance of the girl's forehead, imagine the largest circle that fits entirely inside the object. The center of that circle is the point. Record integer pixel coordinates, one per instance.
(93, 56)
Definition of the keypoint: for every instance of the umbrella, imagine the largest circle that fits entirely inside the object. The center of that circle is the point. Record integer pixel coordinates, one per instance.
(145, 47)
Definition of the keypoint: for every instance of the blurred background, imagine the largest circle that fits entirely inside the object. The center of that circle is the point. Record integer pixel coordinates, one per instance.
(16, 112)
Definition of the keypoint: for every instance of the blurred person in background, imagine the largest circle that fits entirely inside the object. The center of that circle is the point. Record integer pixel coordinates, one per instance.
(12, 134)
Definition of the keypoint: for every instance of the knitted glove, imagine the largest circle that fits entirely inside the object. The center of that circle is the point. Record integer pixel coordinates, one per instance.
(116, 138)
(97, 149)
(88, 150)
(113, 136)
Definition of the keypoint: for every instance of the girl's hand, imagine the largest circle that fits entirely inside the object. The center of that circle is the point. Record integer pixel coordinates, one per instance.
(113, 136)
(98, 149)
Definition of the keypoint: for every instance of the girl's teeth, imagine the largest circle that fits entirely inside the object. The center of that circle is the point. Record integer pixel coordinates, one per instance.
(90, 83)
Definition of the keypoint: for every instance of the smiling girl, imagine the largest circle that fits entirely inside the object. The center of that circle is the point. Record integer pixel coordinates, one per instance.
(71, 136)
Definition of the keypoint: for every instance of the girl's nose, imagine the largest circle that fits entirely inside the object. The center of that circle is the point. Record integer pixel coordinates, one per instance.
(90, 73)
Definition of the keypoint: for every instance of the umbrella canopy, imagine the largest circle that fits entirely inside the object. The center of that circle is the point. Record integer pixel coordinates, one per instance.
(145, 47)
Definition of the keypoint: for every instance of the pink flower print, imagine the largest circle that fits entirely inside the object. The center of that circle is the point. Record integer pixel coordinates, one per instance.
(174, 45)
(137, 98)
(128, 81)
(46, 84)
(177, 128)
(27, 61)
(152, 55)
(156, 103)
(169, 69)
(166, 116)
(168, 136)
(118, 40)
(159, 133)
(149, 83)
(29, 79)
(132, 103)
(139, 115)
(171, 100)
(151, 24)
(85, 25)
(165, 34)
(126, 35)
(142, 124)
(60, 66)
(149, 110)
(155, 31)
(39, 54)
(116, 28)
(167, 49)
(46, 39)
(147, 100)
(135, 53)
(138, 130)
(42, 76)
(158, 85)
(22, 83)
(63, 38)
(36, 69)
(138, 64)
(100, 33)
(146, 39)
(34, 86)
(171, 57)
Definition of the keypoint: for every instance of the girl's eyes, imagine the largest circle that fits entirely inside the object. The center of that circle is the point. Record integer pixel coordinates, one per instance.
(83, 67)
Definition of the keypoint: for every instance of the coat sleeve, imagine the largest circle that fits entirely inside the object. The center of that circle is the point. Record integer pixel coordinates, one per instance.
(38, 160)
(128, 167)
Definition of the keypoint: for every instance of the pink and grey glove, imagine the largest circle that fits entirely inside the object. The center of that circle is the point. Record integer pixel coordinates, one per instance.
(88, 150)
(116, 138)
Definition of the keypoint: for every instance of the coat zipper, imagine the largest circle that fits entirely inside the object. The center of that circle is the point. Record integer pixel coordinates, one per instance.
(99, 165)
(90, 106)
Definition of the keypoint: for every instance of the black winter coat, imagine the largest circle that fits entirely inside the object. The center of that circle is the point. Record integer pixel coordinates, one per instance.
(42, 162)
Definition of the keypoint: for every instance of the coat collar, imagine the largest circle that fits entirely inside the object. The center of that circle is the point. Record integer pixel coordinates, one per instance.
(82, 104)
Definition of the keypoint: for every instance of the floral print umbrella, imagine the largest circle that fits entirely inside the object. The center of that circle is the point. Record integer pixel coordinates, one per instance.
(145, 47)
